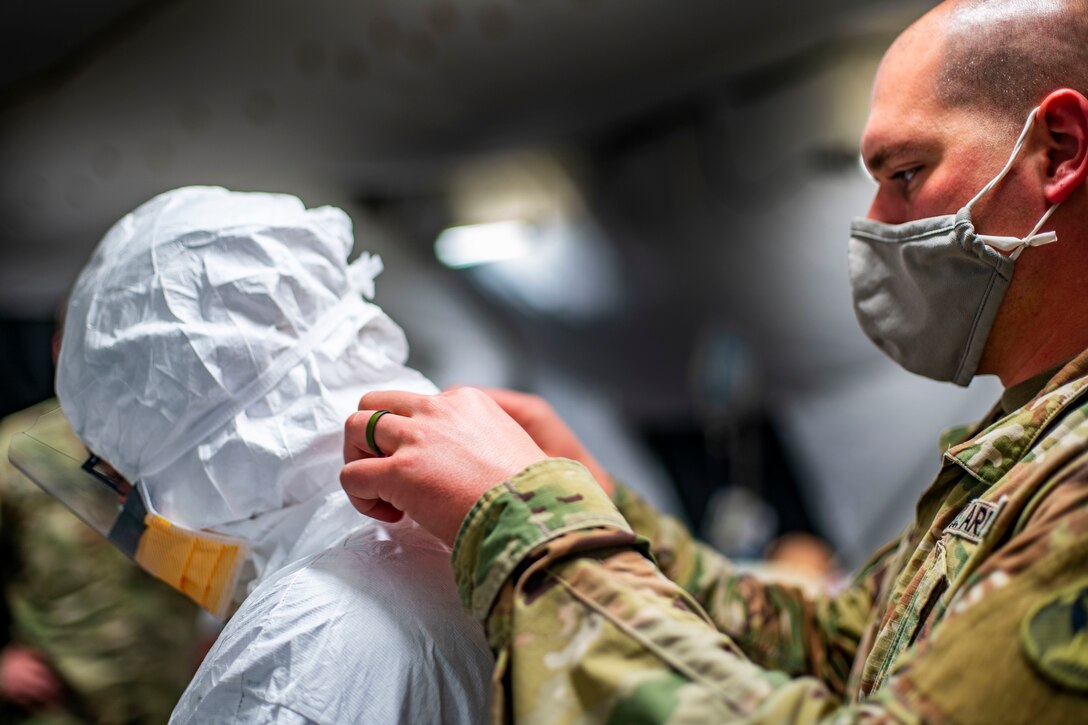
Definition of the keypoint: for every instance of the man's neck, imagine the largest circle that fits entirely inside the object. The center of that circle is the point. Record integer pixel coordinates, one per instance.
(1043, 318)
(1032, 358)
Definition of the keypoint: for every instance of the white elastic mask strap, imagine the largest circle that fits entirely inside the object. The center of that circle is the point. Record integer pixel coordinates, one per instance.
(1016, 245)
(1034, 238)
(1012, 158)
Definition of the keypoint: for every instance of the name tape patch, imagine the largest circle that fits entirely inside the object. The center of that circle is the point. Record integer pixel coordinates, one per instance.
(974, 521)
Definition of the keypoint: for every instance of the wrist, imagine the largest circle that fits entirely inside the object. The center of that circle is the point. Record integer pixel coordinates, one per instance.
(546, 500)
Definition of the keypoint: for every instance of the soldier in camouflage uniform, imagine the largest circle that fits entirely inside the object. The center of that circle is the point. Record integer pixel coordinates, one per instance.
(602, 610)
(121, 644)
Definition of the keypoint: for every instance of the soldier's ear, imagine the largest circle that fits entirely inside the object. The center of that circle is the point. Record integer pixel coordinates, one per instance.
(1063, 117)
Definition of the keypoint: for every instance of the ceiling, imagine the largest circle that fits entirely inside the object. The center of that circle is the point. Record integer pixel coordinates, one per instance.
(104, 104)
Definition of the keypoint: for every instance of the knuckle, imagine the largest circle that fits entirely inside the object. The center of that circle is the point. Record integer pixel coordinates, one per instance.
(361, 505)
(475, 399)
(349, 477)
(431, 404)
(474, 393)
(371, 400)
(410, 465)
(412, 436)
(462, 393)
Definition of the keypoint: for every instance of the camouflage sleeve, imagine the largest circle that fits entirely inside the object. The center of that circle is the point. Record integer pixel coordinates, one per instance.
(586, 627)
(779, 626)
(543, 502)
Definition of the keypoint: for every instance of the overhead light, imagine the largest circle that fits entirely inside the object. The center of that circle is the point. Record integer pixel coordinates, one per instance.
(475, 244)
(522, 229)
(570, 273)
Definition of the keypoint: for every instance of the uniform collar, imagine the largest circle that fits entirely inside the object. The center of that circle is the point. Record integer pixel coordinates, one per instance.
(1019, 395)
(990, 455)
(1073, 370)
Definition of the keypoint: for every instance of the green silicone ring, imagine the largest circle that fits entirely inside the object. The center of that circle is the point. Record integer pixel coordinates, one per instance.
(370, 426)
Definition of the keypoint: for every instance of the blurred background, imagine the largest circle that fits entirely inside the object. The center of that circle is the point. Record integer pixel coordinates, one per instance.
(636, 208)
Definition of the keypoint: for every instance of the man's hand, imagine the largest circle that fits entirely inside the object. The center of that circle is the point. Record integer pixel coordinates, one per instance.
(27, 680)
(548, 430)
(442, 452)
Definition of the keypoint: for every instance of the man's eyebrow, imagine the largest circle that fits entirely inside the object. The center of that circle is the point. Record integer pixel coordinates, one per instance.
(876, 161)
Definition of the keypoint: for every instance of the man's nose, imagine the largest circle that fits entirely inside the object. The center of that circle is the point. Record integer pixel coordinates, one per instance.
(886, 209)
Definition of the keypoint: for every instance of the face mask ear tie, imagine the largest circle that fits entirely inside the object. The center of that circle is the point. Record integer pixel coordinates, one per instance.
(1012, 158)
(1016, 245)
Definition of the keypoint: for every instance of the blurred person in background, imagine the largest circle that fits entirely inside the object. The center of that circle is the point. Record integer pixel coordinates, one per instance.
(89, 636)
(601, 609)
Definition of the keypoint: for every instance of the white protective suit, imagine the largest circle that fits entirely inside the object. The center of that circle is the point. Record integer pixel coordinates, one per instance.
(214, 346)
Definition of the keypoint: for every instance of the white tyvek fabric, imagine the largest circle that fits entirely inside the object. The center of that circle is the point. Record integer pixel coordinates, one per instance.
(175, 330)
(367, 631)
(188, 301)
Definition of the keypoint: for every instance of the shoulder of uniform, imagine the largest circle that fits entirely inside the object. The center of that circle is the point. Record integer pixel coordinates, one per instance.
(1054, 635)
(47, 423)
(25, 419)
(955, 434)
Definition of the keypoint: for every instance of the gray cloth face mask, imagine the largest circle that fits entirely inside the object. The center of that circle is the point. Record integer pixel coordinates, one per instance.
(926, 292)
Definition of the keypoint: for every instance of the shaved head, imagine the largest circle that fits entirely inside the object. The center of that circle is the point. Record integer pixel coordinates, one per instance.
(1005, 56)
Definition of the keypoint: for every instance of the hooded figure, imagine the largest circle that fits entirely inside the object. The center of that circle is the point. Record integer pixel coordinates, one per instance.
(213, 348)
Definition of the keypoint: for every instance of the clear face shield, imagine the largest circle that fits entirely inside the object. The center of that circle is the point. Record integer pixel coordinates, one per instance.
(203, 565)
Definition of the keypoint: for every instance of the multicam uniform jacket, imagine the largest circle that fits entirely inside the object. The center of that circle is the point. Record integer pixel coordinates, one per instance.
(123, 643)
(977, 613)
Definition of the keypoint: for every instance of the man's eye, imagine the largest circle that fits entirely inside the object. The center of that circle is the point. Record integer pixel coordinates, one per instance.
(906, 175)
